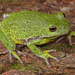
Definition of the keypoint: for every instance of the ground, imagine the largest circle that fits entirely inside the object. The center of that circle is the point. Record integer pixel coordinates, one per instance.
(32, 64)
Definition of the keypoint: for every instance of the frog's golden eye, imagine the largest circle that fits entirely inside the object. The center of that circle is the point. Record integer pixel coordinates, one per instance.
(52, 28)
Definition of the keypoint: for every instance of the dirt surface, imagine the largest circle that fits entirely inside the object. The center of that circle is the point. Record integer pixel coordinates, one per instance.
(34, 65)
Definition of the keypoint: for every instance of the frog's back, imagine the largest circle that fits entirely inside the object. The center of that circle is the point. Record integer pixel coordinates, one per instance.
(24, 24)
(29, 24)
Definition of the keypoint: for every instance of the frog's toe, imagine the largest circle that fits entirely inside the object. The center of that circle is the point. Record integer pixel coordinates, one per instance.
(56, 59)
(52, 50)
(70, 42)
(20, 53)
(10, 57)
(47, 63)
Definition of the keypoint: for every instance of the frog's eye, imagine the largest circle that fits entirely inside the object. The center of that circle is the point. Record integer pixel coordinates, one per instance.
(63, 14)
(52, 28)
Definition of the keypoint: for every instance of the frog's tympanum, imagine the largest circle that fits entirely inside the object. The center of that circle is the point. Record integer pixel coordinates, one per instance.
(32, 28)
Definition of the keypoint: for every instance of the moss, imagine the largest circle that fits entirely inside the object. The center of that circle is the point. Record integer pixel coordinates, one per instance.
(59, 47)
(0, 65)
(21, 67)
(43, 65)
(9, 1)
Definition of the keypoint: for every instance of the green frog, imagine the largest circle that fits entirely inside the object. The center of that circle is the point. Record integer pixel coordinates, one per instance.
(32, 28)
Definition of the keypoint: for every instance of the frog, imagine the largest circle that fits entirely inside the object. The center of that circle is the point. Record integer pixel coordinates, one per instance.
(32, 28)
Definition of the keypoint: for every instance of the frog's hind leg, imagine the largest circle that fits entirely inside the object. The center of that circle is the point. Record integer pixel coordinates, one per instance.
(9, 44)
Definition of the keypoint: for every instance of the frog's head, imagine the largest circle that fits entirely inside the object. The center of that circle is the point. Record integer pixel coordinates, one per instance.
(57, 26)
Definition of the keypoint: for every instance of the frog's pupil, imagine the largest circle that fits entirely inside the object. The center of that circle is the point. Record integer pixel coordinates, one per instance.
(52, 28)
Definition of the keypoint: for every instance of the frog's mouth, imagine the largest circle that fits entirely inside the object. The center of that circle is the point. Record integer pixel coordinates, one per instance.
(55, 35)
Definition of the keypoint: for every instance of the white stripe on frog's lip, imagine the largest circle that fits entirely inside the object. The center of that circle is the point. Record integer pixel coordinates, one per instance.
(54, 35)
(25, 41)
(5, 16)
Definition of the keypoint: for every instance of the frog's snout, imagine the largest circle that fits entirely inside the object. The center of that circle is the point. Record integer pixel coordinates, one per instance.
(52, 28)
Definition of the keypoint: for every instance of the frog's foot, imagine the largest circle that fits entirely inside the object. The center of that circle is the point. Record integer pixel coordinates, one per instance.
(46, 55)
(48, 62)
(16, 55)
(70, 41)
(72, 33)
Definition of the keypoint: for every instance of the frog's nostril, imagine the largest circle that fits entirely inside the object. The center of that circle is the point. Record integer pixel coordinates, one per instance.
(52, 28)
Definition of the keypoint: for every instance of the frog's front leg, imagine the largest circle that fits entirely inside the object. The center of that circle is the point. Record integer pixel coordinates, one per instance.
(69, 35)
(38, 52)
(9, 44)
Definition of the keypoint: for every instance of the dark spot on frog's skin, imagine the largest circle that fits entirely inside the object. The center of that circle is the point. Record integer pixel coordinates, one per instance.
(64, 27)
(28, 22)
(52, 28)
(17, 36)
(13, 28)
(24, 30)
(17, 39)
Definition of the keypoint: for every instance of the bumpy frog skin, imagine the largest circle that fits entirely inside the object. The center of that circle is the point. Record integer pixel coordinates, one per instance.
(32, 28)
